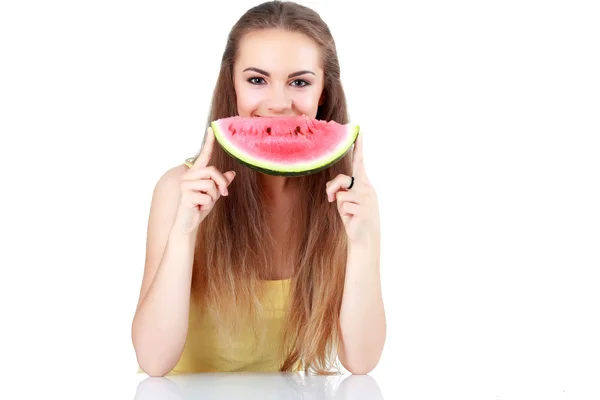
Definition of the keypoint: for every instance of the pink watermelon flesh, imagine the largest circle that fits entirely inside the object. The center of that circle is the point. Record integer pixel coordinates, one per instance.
(285, 145)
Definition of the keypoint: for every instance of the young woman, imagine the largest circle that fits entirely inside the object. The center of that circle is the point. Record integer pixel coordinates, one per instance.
(252, 272)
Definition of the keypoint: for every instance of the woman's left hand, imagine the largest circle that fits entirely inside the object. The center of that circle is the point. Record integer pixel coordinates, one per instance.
(358, 206)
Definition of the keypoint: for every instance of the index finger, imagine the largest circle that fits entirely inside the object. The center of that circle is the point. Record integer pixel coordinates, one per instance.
(357, 156)
(206, 152)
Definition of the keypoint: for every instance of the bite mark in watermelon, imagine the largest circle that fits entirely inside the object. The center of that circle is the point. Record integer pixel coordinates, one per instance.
(286, 146)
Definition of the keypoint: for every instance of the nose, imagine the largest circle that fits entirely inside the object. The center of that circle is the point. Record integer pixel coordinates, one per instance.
(279, 101)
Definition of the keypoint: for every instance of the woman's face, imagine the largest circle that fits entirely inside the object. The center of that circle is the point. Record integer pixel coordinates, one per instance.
(278, 73)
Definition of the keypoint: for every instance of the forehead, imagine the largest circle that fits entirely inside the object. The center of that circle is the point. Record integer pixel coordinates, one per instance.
(278, 50)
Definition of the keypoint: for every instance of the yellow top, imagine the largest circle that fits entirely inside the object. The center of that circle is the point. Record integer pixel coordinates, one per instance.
(206, 351)
(190, 162)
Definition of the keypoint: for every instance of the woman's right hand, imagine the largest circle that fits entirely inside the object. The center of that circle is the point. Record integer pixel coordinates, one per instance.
(200, 188)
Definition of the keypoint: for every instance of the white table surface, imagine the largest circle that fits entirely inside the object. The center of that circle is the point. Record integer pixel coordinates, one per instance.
(264, 386)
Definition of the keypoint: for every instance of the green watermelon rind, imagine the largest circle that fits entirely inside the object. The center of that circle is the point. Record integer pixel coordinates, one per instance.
(297, 169)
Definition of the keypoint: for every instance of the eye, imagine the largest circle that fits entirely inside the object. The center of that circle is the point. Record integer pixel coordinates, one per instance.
(256, 80)
(300, 83)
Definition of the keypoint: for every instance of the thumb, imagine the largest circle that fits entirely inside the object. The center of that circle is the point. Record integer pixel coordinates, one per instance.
(229, 175)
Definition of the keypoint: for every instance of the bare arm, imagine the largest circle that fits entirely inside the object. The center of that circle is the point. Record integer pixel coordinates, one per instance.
(160, 323)
(181, 200)
(362, 316)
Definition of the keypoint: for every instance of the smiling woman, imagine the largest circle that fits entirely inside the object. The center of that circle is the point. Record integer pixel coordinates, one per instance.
(251, 272)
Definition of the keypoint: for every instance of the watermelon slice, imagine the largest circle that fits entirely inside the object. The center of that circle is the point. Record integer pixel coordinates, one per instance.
(285, 146)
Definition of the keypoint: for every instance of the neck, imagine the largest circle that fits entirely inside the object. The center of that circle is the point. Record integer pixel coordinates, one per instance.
(276, 187)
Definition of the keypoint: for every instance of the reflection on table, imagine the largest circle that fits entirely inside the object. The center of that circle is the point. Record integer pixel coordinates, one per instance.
(281, 386)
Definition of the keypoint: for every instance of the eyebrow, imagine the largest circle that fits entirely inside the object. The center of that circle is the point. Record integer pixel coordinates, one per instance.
(292, 75)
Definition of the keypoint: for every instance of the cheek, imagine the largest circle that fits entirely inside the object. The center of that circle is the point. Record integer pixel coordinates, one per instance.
(248, 100)
(307, 103)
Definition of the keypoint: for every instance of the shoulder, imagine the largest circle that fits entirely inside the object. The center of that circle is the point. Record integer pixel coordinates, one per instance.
(168, 183)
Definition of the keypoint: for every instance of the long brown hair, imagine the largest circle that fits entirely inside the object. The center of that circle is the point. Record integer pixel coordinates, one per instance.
(235, 245)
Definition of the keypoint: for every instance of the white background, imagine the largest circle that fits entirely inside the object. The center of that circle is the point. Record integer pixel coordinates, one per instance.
(481, 124)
